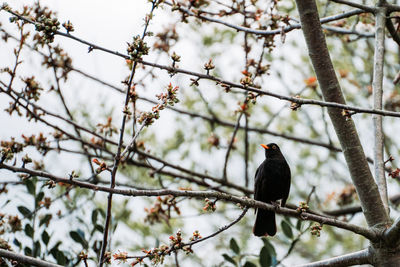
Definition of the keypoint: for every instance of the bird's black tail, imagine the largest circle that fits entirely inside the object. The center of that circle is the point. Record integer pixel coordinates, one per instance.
(265, 223)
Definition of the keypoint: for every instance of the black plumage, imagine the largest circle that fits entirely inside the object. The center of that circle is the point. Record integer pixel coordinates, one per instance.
(272, 183)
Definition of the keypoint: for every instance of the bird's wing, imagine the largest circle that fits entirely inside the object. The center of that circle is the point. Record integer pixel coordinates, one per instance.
(287, 177)
(256, 188)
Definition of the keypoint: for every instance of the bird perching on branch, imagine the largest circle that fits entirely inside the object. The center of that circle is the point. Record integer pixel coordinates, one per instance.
(272, 183)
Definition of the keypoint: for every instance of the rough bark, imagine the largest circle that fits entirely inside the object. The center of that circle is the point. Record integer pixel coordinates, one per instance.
(385, 257)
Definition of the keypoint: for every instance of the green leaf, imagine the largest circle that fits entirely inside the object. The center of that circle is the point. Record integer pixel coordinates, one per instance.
(17, 243)
(61, 259)
(45, 219)
(299, 224)
(58, 255)
(265, 257)
(28, 251)
(5, 203)
(249, 264)
(269, 246)
(39, 197)
(31, 187)
(24, 211)
(55, 247)
(79, 237)
(234, 246)
(45, 237)
(288, 220)
(102, 213)
(99, 228)
(36, 249)
(94, 216)
(29, 230)
(287, 229)
(229, 259)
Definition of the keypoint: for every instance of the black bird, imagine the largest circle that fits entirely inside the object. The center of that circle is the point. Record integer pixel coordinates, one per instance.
(272, 182)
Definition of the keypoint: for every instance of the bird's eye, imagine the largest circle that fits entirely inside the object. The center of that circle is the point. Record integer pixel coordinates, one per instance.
(274, 147)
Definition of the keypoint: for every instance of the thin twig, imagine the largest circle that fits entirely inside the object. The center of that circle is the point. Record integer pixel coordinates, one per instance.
(392, 31)
(26, 259)
(246, 151)
(60, 94)
(117, 159)
(220, 230)
(270, 32)
(176, 259)
(352, 4)
(230, 146)
(220, 81)
(203, 176)
(293, 244)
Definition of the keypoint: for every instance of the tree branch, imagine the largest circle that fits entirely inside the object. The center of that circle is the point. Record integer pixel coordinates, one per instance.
(220, 81)
(270, 32)
(360, 6)
(212, 119)
(392, 31)
(392, 235)
(355, 258)
(206, 176)
(118, 155)
(244, 201)
(230, 146)
(379, 54)
(363, 180)
(392, 8)
(355, 209)
(176, 248)
(25, 259)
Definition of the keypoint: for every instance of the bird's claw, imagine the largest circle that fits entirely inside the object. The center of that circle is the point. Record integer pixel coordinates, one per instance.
(303, 216)
(276, 204)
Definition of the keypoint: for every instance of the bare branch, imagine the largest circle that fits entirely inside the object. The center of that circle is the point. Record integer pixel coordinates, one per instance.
(300, 101)
(392, 8)
(228, 151)
(391, 235)
(60, 94)
(220, 230)
(392, 31)
(355, 209)
(355, 258)
(360, 6)
(363, 180)
(377, 91)
(244, 201)
(118, 155)
(271, 32)
(203, 176)
(213, 119)
(25, 259)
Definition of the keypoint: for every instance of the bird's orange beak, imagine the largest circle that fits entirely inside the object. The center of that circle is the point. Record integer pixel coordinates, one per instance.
(265, 146)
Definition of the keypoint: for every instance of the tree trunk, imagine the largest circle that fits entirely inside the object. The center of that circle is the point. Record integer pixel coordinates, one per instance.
(367, 190)
(361, 175)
